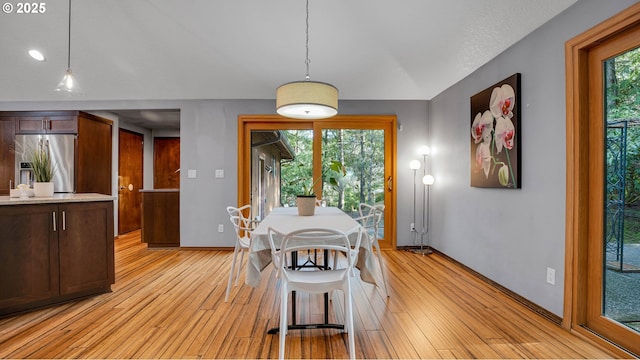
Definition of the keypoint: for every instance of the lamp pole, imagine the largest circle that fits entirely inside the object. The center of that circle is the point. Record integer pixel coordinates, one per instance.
(427, 180)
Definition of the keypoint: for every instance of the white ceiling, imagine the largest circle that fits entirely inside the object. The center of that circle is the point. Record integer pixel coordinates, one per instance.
(244, 49)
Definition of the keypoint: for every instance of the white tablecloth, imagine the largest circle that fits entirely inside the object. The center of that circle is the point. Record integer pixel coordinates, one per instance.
(285, 220)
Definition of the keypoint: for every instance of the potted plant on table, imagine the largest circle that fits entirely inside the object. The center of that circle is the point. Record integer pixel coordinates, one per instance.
(306, 202)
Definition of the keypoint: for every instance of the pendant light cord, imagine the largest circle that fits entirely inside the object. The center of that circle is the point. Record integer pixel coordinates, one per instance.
(69, 40)
(307, 61)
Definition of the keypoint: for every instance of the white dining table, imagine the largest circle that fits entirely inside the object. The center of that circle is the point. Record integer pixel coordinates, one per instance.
(285, 220)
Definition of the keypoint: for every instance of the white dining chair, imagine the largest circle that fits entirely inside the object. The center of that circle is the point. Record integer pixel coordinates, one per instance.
(370, 218)
(316, 281)
(243, 225)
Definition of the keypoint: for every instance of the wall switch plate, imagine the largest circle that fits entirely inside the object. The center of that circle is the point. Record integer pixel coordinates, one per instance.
(220, 228)
(192, 174)
(412, 227)
(551, 276)
(219, 173)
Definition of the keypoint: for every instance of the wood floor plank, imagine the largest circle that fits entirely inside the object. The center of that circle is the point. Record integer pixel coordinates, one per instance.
(169, 303)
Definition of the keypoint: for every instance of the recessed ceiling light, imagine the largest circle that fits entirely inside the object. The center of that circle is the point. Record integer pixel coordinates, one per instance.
(36, 55)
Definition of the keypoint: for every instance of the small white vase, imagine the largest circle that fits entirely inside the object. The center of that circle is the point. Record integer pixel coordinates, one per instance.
(306, 205)
(42, 189)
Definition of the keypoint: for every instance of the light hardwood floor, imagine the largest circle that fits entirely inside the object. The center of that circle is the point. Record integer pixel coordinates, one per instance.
(170, 304)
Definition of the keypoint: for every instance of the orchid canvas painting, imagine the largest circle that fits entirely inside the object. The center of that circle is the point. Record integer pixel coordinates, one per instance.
(495, 135)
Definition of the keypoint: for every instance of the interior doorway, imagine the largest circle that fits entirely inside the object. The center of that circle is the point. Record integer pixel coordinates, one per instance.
(130, 168)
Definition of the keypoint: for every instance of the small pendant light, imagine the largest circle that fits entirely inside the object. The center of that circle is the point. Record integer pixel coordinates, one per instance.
(69, 84)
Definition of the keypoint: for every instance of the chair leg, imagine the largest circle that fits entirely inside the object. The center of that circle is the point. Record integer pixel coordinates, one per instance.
(239, 265)
(384, 279)
(233, 267)
(349, 322)
(283, 319)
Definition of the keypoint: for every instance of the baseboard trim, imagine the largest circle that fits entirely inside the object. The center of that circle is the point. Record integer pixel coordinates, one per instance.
(518, 298)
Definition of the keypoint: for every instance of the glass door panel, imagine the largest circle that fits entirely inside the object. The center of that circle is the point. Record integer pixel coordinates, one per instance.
(280, 158)
(621, 241)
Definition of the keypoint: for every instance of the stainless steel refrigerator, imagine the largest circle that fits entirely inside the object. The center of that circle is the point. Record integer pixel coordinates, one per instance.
(62, 148)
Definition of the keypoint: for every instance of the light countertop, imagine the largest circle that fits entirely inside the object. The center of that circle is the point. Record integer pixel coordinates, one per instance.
(56, 198)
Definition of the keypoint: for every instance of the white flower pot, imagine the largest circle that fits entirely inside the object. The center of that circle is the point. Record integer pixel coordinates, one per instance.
(306, 205)
(42, 189)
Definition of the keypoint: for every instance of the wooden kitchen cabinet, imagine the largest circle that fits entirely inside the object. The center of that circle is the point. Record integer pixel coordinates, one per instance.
(47, 122)
(86, 246)
(28, 256)
(93, 172)
(7, 154)
(51, 253)
(161, 217)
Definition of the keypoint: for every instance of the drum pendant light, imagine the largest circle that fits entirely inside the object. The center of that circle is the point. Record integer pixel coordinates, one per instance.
(307, 99)
(69, 84)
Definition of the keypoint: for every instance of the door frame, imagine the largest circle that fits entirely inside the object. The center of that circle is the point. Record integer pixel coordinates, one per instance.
(579, 197)
(247, 123)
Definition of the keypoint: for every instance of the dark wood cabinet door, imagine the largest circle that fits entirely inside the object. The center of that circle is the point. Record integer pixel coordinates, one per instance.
(161, 218)
(28, 255)
(93, 173)
(86, 246)
(7, 155)
(47, 122)
(166, 163)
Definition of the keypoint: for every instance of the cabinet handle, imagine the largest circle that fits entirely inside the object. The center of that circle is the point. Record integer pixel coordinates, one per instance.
(54, 221)
(64, 221)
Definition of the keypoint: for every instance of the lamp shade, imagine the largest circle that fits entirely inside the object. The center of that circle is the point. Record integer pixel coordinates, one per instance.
(424, 150)
(69, 84)
(428, 180)
(414, 165)
(307, 100)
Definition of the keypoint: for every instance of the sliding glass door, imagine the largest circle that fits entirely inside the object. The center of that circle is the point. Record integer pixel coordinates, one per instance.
(297, 152)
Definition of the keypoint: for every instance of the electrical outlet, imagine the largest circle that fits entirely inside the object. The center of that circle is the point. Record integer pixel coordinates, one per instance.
(412, 227)
(220, 228)
(551, 276)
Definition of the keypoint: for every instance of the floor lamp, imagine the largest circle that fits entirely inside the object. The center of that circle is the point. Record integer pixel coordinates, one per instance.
(427, 181)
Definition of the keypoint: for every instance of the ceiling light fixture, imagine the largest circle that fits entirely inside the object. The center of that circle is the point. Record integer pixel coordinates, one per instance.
(36, 54)
(69, 84)
(307, 99)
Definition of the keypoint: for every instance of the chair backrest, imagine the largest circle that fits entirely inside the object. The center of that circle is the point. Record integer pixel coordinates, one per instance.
(370, 217)
(313, 238)
(242, 224)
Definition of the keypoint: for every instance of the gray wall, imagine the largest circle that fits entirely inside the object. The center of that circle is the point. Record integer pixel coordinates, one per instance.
(209, 132)
(512, 236)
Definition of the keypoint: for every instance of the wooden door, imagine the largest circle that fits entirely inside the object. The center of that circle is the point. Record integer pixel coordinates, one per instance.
(595, 278)
(385, 124)
(166, 163)
(130, 154)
